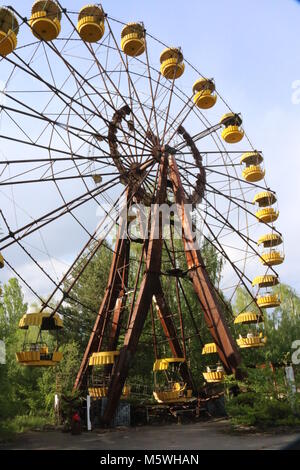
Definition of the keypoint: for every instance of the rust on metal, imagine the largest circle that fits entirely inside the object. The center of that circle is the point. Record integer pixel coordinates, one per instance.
(148, 287)
(114, 289)
(203, 286)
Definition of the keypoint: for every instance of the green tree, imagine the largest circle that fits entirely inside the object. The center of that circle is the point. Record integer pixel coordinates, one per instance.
(282, 325)
(12, 308)
(59, 379)
(81, 308)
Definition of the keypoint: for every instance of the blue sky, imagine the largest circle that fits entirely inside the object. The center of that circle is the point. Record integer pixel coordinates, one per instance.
(251, 49)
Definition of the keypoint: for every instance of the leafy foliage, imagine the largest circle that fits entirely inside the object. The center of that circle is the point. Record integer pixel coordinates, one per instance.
(31, 390)
(282, 326)
(264, 401)
(27, 393)
(268, 401)
(86, 297)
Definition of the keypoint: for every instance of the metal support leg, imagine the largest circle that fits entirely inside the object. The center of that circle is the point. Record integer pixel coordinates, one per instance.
(115, 289)
(147, 289)
(226, 346)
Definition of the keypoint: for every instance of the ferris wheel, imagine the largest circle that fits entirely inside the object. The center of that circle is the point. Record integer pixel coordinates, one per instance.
(97, 114)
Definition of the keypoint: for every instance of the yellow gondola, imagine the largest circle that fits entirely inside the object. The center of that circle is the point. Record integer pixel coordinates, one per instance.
(264, 199)
(248, 318)
(173, 389)
(90, 24)
(251, 341)
(267, 215)
(268, 301)
(99, 378)
(268, 280)
(45, 20)
(272, 258)
(40, 358)
(133, 39)
(251, 158)
(253, 171)
(9, 29)
(270, 240)
(209, 348)
(172, 65)
(254, 339)
(103, 358)
(38, 354)
(233, 133)
(45, 320)
(216, 373)
(204, 93)
(214, 376)
(101, 392)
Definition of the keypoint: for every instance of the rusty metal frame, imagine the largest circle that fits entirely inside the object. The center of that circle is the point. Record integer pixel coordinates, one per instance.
(214, 317)
(114, 301)
(151, 290)
(149, 286)
(169, 329)
(166, 319)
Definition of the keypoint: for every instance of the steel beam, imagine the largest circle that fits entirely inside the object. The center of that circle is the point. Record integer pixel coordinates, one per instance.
(226, 346)
(114, 290)
(121, 301)
(148, 287)
(169, 328)
(166, 320)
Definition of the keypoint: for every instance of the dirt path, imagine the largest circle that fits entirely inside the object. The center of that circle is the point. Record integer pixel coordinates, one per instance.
(200, 436)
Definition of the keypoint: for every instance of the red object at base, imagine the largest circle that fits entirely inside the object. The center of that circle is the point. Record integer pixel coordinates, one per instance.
(76, 417)
(76, 424)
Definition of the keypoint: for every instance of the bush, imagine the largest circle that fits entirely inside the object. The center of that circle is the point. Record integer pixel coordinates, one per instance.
(253, 410)
(264, 401)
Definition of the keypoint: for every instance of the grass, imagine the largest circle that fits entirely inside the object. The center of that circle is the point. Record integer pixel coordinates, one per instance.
(10, 428)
